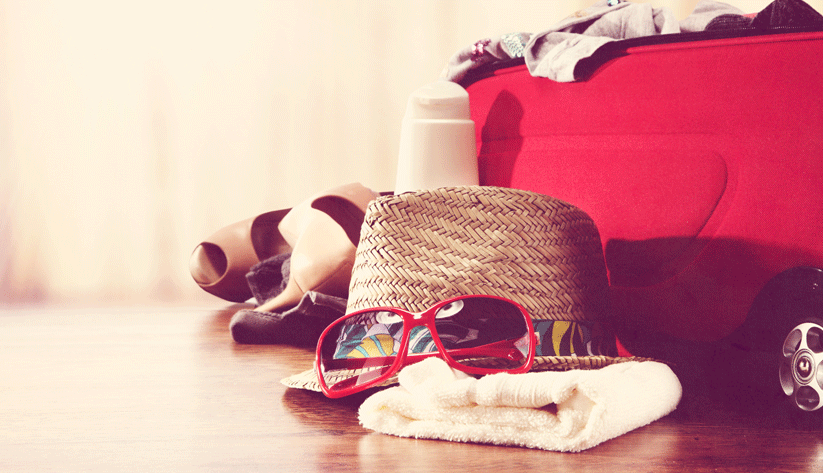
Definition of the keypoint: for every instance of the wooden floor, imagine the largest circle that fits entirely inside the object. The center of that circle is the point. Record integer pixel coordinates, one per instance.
(168, 390)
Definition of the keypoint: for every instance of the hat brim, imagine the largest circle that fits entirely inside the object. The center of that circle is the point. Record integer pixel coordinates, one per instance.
(308, 379)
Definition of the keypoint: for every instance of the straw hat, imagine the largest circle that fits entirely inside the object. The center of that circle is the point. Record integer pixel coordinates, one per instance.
(419, 248)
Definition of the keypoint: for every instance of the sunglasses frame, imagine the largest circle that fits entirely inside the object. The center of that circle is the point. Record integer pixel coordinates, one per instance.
(413, 319)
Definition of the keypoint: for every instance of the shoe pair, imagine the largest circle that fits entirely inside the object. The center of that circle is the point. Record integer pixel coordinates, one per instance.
(321, 234)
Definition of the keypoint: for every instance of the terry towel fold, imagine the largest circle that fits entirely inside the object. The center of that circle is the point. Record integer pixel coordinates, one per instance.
(566, 411)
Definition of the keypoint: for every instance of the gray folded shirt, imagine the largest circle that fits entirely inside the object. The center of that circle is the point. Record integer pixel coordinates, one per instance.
(554, 53)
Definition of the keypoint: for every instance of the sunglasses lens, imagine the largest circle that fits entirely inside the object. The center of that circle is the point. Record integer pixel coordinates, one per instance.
(484, 332)
(359, 349)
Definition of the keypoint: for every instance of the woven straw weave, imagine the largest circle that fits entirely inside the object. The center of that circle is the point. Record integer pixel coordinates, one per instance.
(419, 248)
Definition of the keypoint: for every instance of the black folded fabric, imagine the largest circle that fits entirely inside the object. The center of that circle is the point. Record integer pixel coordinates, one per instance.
(787, 13)
(778, 14)
(299, 326)
(269, 277)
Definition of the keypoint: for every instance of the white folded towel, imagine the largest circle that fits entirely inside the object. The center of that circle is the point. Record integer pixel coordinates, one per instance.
(565, 411)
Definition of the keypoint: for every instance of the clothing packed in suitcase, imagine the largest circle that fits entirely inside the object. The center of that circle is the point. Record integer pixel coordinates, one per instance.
(697, 148)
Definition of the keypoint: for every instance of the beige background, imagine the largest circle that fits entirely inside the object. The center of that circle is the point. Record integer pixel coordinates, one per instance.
(129, 131)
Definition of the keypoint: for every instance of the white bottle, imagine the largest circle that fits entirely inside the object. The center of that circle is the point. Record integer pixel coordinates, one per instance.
(437, 140)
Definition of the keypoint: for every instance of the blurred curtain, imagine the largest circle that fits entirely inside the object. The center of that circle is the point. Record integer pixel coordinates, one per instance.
(129, 131)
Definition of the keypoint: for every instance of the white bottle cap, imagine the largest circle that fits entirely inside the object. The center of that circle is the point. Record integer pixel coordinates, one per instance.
(439, 101)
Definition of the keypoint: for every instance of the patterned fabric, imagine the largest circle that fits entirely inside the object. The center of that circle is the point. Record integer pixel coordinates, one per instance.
(365, 336)
(562, 338)
(479, 49)
(368, 337)
(515, 43)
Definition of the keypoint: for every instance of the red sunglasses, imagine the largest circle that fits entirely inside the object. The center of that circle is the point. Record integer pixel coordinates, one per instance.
(476, 334)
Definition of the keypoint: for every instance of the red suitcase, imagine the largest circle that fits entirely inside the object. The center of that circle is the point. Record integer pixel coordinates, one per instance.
(701, 162)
